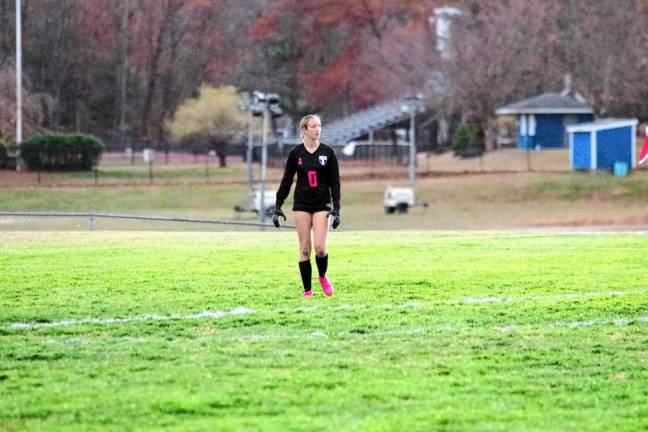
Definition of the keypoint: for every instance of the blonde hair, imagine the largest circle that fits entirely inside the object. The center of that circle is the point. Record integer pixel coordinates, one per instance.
(303, 123)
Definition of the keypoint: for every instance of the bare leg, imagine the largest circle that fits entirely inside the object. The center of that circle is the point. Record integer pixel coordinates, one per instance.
(304, 223)
(320, 232)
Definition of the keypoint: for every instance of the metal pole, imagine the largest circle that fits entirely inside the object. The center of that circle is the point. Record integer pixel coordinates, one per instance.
(412, 161)
(19, 131)
(248, 155)
(370, 147)
(264, 162)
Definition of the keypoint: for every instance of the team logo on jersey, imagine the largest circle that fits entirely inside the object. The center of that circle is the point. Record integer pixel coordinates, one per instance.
(322, 160)
(299, 162)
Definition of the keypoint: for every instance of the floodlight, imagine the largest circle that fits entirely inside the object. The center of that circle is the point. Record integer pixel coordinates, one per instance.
(272, 98)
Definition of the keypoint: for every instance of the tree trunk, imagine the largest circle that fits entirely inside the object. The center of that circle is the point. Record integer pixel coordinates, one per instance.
(171, 9)
(122, 70)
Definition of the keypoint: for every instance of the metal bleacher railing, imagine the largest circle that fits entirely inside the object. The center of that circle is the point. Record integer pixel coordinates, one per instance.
(358, 124)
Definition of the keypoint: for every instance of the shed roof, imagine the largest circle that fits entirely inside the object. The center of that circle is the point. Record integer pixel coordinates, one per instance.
(600, 124)
(549, 103)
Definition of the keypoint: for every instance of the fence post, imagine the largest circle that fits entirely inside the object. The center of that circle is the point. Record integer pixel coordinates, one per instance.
(207, 167)
(93, 222)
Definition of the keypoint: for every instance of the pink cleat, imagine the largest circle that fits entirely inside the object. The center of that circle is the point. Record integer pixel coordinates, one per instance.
(326, 286)
(308, 293)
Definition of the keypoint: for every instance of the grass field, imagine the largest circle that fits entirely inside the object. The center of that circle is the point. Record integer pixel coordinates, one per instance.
(479, 201)
(496, 192)
(427, 331)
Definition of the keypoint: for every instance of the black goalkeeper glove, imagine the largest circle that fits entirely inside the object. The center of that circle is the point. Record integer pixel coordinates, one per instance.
(335, 214)
(276, 214)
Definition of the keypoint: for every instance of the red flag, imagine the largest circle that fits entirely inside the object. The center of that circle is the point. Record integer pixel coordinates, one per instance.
(644, 150)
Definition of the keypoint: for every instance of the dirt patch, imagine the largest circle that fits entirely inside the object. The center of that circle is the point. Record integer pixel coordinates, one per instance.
(17, 179)
(613, 220)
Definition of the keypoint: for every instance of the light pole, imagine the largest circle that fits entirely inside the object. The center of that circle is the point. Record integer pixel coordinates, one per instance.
(245, 104)
(264, 163)
(411, 105)
(248, 154)
(412, 149)
(265, 104)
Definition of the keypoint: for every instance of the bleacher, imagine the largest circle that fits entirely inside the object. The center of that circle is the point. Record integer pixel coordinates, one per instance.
(340, 132)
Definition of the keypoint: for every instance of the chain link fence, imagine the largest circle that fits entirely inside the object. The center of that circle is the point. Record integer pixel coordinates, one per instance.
(92, 221)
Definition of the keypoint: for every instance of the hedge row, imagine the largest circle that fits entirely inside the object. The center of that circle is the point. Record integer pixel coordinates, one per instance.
(3, 153)
(61, 152)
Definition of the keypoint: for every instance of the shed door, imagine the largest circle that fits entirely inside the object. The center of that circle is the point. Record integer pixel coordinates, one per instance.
(582, 150)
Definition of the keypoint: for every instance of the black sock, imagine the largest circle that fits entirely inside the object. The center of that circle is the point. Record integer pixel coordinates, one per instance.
(306, 271)
(322, 264)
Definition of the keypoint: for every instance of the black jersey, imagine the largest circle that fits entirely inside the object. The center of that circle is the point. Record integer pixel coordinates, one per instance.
(318, 179)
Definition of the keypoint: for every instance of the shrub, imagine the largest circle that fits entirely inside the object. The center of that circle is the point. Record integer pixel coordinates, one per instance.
(468, 141)
(3, 153)
(64, 152)
(6, 146)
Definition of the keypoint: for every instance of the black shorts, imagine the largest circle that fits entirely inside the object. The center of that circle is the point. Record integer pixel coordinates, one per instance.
(312, 210)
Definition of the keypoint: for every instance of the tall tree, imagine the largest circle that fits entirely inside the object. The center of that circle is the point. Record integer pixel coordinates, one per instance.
(32, 115)
(7, 30)
(212, 119)
(103, 63)
(54, 57)
(155, 52)
(315, 49)
(497, 52)
(505, 50)
(603, 48)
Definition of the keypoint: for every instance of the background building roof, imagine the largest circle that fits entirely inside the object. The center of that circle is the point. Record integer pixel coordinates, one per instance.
(549, 103)
(604, 123)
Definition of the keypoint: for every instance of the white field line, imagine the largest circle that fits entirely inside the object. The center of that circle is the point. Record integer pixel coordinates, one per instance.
(109, 321)
(475, 300)
(450, 328)
(619, 322)
(404, 332)
(551, 231)
(551, 297)
(314, 308)
(505, 328)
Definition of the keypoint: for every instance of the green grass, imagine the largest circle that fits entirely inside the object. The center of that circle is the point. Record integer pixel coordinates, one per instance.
(136, 199)
(427, 331)
(163, 172)
(574, 187)
(486, 201)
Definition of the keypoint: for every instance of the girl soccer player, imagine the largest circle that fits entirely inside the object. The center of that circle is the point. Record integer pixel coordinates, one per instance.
(317, 196)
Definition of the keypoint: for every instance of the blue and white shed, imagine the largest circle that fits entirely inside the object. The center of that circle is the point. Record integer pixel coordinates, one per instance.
(602, 143)
(542, 120)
